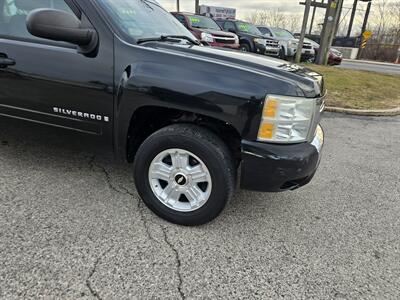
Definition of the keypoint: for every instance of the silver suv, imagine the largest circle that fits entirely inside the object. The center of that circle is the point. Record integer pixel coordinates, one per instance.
(288, 43)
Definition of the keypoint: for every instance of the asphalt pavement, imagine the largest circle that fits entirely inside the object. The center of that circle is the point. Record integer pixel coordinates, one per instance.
(72, 225)
(386, 68)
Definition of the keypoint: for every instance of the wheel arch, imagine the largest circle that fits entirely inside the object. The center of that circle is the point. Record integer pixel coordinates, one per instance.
(285, 49)
(146, 120)
(247, 42)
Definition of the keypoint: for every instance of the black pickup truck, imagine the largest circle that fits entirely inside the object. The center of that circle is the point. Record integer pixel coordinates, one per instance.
(188, 116)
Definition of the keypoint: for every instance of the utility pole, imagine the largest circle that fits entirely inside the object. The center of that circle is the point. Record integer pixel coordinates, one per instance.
(197, 6)
(364, 26)
(313, 17)
(303, 31)
(339, 15)
(353, 13)
(178, 9)
(363, 29)
(328, 31)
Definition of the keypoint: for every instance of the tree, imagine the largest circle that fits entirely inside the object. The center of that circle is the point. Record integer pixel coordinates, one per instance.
(275, 18)
(395, 12)
(385, 22)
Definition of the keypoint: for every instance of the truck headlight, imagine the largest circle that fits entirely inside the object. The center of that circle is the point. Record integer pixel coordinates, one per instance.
(207, 37)
(286, 119)
(293, 44)
(260, 41)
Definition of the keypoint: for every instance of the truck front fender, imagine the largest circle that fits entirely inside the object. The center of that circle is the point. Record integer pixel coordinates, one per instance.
(151, 84)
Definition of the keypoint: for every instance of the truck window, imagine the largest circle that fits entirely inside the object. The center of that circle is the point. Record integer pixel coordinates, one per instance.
(203, 22)
(265, 31)
(14, 12)
(181, 19)
(229, 25)
(282, 33)
(248, 28)
(141, 19)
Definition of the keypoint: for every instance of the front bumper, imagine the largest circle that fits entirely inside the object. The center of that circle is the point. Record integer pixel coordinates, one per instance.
(307, 54)
(307, 51)
(337, 60)
(272, 51)
(223, 45)
(259, 48)
(280, 167)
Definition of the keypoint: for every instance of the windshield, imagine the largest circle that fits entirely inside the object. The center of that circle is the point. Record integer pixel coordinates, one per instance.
(143, 19)
(248, 28)
(203, 22)
(282, 33)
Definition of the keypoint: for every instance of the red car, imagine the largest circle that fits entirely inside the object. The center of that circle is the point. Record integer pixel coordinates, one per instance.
(335, 56)
(207, 30)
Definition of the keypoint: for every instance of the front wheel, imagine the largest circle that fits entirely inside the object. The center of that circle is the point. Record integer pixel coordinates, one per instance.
(184, 174)
(244, 48)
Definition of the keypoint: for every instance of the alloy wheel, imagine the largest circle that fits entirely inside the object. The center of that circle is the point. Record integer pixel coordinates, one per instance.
(180, 180)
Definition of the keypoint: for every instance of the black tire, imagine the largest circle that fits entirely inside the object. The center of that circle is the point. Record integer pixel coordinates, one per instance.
(282, 53)
(245, 48)
(206, 146)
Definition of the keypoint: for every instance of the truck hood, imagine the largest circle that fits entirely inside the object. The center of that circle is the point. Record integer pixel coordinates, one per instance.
(310, 83)
(217, 32)
(287, 39)
(269, 38)
(254, 36)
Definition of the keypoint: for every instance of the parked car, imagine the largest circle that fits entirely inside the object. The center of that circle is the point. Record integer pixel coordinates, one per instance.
(207, 30)
(251, 39)
(288, 43)
(335, 56)
(188, 116)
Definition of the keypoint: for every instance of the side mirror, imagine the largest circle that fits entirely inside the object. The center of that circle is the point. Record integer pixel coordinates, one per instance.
(232, 30)
(59, 25)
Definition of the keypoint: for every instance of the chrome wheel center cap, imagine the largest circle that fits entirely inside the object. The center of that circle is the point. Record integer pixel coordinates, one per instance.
(181, 179)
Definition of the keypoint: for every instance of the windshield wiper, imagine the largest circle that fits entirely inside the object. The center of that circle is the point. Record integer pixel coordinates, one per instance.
(169, 37)
(183, 37)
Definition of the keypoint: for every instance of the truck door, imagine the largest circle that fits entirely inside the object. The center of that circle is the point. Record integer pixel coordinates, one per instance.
(50, 82)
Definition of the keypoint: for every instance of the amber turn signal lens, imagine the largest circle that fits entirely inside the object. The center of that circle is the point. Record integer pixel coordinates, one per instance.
(266, 131)
(270, 108)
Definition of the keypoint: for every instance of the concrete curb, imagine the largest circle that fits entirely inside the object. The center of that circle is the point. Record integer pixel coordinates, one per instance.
(371, 62)
(365, 112)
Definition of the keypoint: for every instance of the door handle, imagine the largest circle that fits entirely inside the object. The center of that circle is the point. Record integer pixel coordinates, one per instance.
(5, 62)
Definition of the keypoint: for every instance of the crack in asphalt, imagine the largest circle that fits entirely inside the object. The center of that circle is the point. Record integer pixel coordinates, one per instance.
(142, 215)
(124, 190)
(167, 241)
(91, 273)
(107, 175)
(177, 260)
